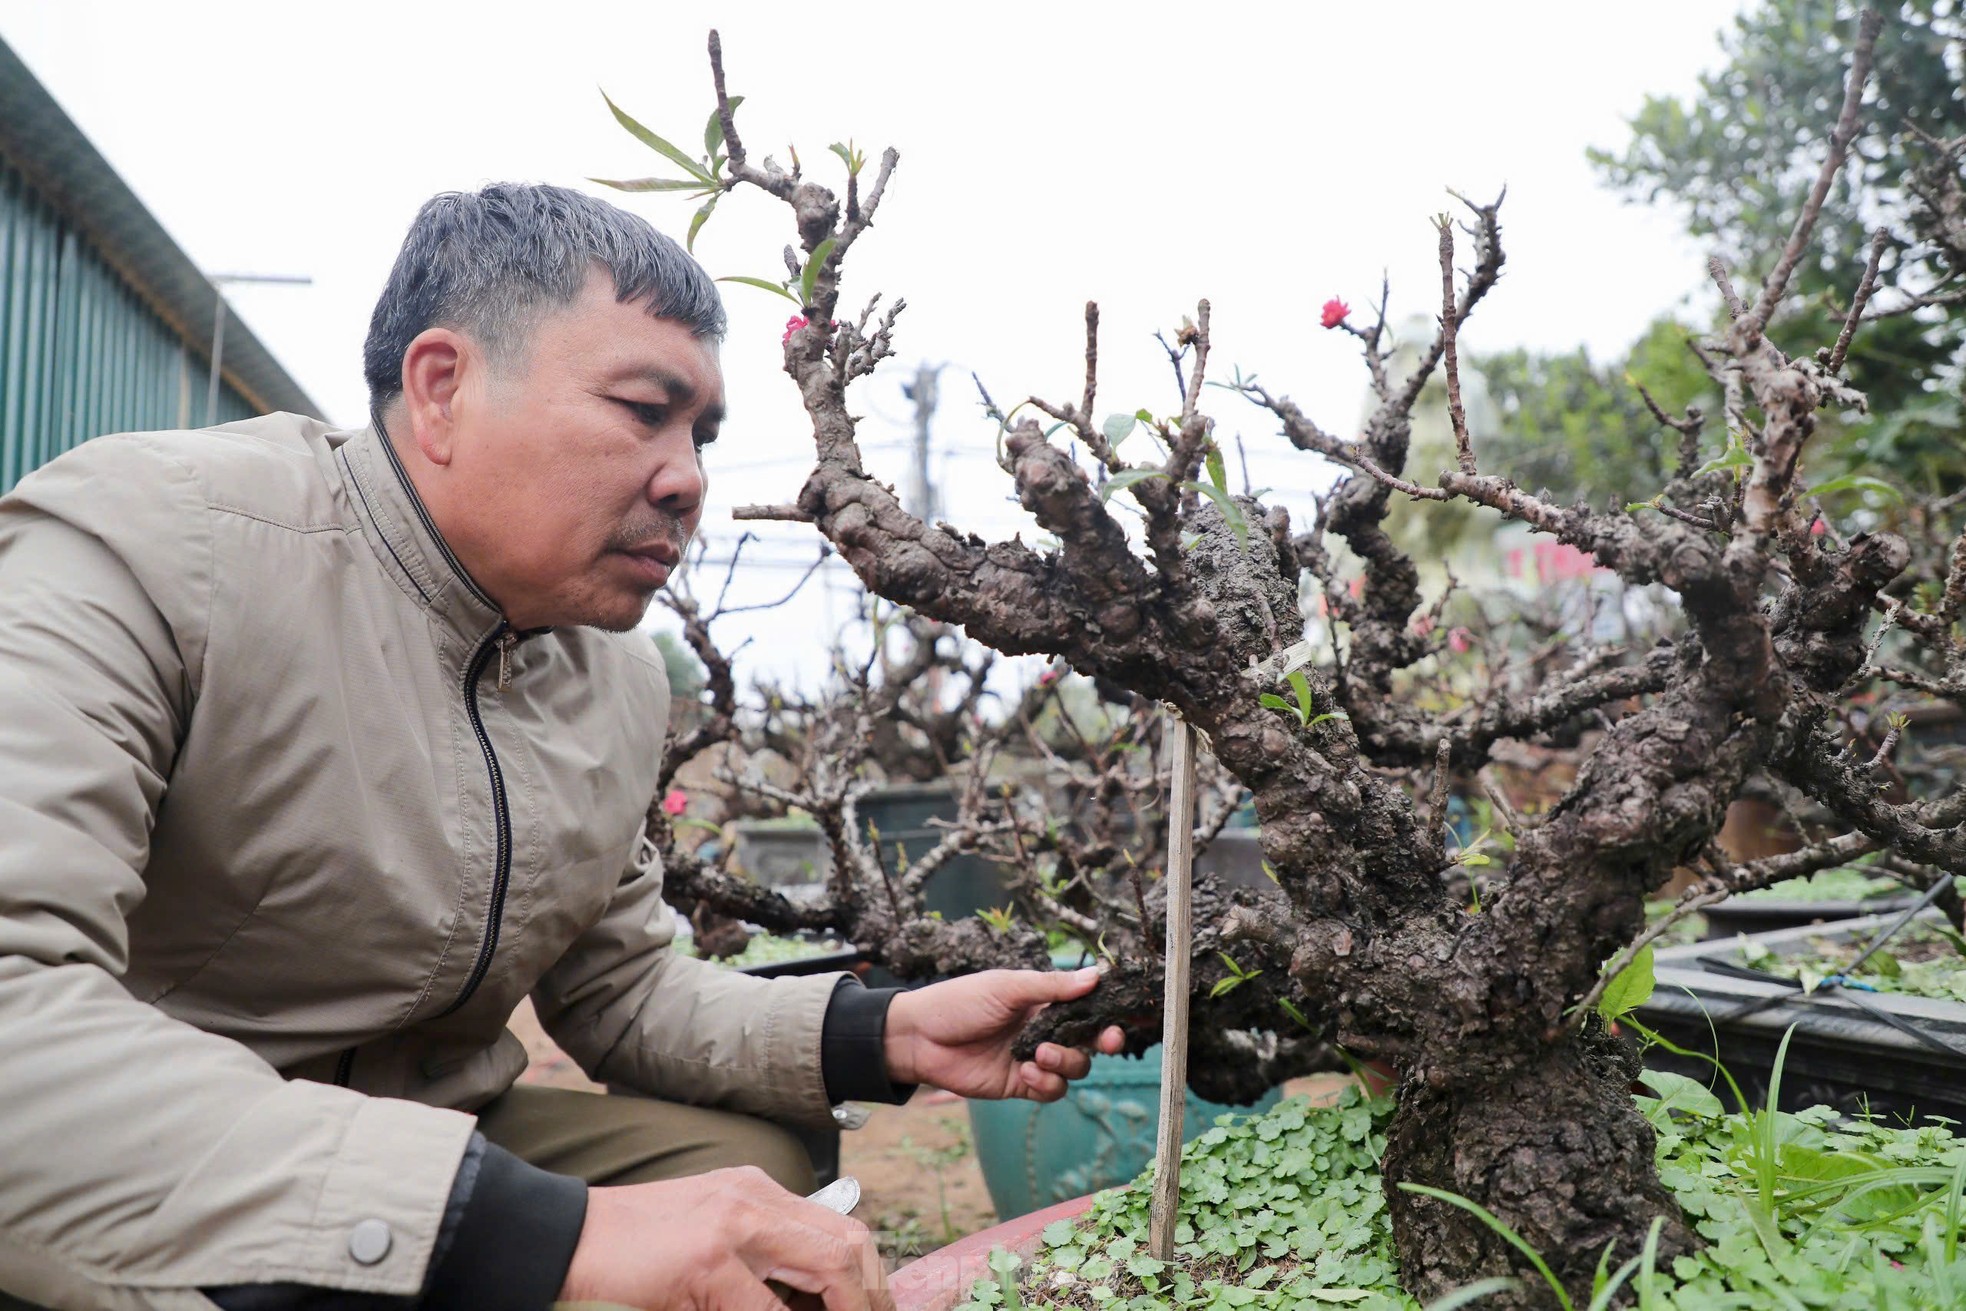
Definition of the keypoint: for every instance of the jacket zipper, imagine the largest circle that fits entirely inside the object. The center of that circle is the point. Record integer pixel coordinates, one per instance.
(344, 1067)
(500, 640)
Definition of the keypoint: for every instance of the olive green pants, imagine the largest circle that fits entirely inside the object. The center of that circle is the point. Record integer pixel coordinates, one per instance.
(623, 1139)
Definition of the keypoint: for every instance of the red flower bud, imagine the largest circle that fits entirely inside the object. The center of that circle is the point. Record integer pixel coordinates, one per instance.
(675, 802)
(792, 325)
(1335, 311)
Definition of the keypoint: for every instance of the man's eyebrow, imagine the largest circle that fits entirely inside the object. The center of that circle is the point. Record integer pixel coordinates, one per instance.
(682, 393)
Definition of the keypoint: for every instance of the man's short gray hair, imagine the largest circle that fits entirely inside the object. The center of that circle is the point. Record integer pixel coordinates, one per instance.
(487, 263)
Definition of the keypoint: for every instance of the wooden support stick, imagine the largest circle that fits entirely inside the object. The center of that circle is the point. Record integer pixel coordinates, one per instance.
(1174, 1027)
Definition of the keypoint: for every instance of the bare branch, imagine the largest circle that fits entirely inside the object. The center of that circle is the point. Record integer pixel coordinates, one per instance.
(1834, 363)
(1450, 363)
(1739, 878)
(1718, 272)
(1773, 287)
(1436, 821)
(780, 513)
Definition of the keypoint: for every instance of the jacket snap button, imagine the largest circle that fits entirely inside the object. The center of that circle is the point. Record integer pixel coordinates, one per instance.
(368, 1242)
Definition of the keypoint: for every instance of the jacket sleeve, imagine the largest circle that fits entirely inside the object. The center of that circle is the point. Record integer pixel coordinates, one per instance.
(632, 1011)
(144, 1158)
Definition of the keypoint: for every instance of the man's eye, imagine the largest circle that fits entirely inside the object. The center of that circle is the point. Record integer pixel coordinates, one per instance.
(648, 412)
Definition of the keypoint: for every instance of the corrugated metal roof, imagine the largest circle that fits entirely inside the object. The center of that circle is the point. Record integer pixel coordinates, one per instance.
(37, 137)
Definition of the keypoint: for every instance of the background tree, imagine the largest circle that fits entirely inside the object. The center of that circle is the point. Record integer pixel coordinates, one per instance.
(1582, 430)
(1740, 158)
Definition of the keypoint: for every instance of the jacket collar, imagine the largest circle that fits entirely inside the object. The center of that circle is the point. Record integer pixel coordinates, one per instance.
(406, 539)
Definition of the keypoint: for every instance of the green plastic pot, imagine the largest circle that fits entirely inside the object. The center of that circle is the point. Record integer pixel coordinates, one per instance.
(1102, 1133)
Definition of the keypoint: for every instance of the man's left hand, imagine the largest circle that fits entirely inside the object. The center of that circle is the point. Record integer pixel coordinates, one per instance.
(957, 1034)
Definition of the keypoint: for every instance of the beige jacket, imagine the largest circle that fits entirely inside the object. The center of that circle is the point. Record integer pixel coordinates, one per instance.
(288, 825)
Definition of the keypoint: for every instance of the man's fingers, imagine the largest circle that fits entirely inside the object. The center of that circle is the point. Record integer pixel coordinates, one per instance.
(1039, 1085)
(816, 1251)
(736, 1287)
(1067, 1061)
(1112, 1040)
(1025, 988)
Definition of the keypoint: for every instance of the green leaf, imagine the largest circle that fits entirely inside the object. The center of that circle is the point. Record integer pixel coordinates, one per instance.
(1856, 482)
(1631, 989)
(650, 184)
(1315, 720)
(1225, 985)
(1126, 478)
(1302, 687)
(713, 131)
(854, 159)
(1118, 427)
(761, 283)
(1275, 702)
(1735, 457)
(656, 143)
(1679, 1093)
(810, 274)
(1231, 512)
(1058, 1233)
(702, 217)
(1218, 472)
(1470, 1293)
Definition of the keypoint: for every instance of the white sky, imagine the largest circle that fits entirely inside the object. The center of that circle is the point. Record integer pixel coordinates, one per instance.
(1266, 156)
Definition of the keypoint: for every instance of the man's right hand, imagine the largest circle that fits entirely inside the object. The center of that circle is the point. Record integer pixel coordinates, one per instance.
(712, 1240)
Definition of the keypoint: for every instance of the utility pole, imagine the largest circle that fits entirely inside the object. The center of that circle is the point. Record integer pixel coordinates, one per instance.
(922, 499)
(218, 281)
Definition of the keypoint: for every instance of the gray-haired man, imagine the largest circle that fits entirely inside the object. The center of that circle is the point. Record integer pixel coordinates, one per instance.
(320, 750)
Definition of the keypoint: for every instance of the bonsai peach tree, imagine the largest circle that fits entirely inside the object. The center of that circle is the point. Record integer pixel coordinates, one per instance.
(1512, 1091)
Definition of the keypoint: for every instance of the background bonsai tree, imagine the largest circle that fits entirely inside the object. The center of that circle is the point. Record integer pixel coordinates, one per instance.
(1511, 1091)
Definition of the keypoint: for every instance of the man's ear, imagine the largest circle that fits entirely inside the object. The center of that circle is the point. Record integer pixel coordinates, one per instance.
(433, 374)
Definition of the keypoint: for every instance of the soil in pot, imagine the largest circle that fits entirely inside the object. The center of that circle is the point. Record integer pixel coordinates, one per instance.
(1287, 1211)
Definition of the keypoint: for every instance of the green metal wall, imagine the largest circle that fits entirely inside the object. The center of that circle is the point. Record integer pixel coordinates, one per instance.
(80, 353)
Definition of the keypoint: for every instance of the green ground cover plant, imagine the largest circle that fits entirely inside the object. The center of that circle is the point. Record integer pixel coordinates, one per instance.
(771, 949)
(1286, 1212)
(1851, 883)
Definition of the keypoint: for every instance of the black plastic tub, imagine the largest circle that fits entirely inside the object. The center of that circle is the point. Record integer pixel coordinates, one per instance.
(1772, 914)
(1844, 1053)
(848, 958)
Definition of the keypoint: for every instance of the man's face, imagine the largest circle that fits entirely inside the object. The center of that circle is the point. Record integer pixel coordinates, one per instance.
(575, 476)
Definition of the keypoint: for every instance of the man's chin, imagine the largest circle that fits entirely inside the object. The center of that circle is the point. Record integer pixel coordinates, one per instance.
(612, 612)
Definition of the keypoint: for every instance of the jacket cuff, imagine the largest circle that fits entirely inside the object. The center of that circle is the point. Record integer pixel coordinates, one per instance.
(852, 1050)
(514, 1238)
(507, 1238)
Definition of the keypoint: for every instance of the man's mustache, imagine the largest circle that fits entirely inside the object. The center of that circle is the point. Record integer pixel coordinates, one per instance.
(668, 530)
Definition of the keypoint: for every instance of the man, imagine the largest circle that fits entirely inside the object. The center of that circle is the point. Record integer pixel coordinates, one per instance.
(320, 750)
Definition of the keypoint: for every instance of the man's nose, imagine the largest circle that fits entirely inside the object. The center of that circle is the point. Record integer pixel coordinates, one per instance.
(679, 482)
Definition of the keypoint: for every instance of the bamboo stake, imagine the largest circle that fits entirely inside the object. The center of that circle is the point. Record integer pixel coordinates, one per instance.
(1174, 1027)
